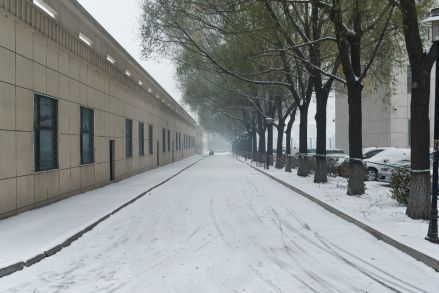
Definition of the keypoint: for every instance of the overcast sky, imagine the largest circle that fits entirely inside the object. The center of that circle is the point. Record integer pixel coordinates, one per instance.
(121, 18)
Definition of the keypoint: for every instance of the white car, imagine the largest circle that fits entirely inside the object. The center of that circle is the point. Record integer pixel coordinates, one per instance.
(373, 151)
(385, 173)
(337, 155)
(389, 157)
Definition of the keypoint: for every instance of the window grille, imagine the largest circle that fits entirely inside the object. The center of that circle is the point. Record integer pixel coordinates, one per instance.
(129, 138)
(87, 136)
(45, 133)
(141, 140)
(164, 140)
(176, 141)
(150, 137)
(169, 140)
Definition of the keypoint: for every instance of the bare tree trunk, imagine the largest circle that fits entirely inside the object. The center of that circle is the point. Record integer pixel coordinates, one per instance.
(254, 144)
(355, 88)
(303, 168)
(321, 173)
(261, 144)
(280, 137)
(270, 143)
(419, 204)
(356, 178)
(261, 129)
(288, 143)
(421, 62)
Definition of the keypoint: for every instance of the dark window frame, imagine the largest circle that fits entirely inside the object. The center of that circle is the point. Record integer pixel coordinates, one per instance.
(163, 140)
(37, 130)
(150, 138)
(129, 138)
(90, 132)
(169, 140)
(176, 141)
(141, 139)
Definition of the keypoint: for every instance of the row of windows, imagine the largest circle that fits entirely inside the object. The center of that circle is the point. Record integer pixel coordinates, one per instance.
(46, 135)
(189, 142)
(129, 138)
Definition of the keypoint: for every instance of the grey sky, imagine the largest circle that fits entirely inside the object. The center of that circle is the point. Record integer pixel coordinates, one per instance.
(121, 18)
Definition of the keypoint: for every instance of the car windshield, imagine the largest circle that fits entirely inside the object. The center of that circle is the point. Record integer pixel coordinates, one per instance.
(370, 153)
(338, 152)
(392, 155)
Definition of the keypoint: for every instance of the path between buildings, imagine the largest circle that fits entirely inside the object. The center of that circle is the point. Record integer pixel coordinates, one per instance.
(224, 227)
(30, 236)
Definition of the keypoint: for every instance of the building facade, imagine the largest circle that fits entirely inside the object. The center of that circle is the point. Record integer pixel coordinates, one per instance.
(76, 110)
(386, 120)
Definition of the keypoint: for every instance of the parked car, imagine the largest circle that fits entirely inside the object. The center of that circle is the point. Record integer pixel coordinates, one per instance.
(387, 158)
(385, 172)
(338, 156)
(211, 153)
(372, 151)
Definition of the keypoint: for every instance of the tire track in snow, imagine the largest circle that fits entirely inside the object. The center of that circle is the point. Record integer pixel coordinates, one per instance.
(389, 284)
(215, 223)
(375, 276)
(271, 255)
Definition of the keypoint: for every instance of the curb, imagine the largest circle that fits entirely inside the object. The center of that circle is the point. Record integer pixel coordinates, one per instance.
(5, 271)
(422, 257)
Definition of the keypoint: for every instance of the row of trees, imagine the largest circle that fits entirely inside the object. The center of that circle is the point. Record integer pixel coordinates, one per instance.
(243, 61)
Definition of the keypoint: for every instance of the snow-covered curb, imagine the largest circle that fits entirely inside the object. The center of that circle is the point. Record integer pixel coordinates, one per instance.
(19, 265)
(423, 250)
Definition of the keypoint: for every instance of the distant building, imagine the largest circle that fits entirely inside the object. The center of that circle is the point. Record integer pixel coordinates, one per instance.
(386, 122)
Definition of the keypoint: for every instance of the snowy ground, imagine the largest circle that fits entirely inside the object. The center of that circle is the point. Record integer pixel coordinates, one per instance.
(31, 233)
(376, 208)
(224, 227)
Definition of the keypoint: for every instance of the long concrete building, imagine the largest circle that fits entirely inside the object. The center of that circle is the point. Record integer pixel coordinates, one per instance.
(76, 110)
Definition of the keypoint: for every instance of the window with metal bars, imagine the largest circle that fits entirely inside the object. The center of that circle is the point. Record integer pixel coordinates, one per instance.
(169, 140)
(129, 138)
(150, 136)
(45, 133)
(164, 140)
(141, 139)
(87, 136)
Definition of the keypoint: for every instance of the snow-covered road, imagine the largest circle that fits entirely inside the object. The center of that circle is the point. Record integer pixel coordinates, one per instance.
(223, 227)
